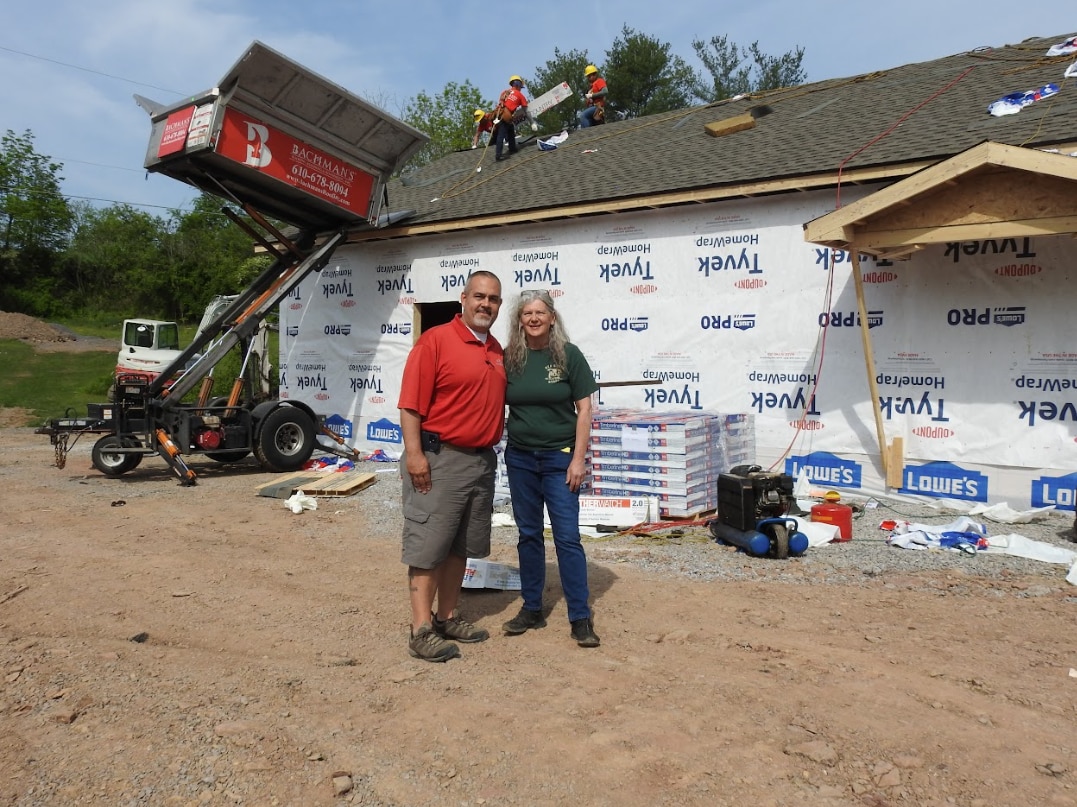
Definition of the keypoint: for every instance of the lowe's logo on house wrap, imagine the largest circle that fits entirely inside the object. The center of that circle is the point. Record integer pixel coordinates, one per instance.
(849, 319)
(638, 269)
(944, 479)
(1009, 316)
(636, 324)
(384, 431)
(340, 426)
(718, 322)
(546, 277)
(824, 468)
(1059, 491)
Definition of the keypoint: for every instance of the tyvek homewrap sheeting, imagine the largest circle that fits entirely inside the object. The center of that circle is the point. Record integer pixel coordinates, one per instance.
(724, 305)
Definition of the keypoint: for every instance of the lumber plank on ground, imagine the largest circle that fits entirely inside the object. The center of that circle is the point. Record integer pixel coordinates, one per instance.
(317, 483)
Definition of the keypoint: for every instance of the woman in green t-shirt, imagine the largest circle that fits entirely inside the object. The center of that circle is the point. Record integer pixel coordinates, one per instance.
(549, 396)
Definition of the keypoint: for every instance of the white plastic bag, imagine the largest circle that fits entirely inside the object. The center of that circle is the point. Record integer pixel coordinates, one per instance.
(300, 501)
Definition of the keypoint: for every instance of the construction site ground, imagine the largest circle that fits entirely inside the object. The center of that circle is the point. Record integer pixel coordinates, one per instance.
(169, 645)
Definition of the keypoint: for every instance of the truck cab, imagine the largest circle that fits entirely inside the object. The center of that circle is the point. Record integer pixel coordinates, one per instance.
(147, 347)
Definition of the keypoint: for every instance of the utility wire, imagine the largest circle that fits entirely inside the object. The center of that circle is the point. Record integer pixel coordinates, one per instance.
(86, 162)
(90, 70)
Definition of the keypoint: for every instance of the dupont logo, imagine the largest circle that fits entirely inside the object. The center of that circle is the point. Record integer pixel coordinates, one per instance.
(322, 396)
(806, 425)
(1019, 270)
(407, 301)
(376, 399)
(933, 432)
(555, 293)
(750, 283)
(295, 305)
(643, 288)
(879, 277)
(347, 303)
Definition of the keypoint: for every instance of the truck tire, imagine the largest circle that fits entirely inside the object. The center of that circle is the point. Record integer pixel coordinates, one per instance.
(110, 463)
(285, 440)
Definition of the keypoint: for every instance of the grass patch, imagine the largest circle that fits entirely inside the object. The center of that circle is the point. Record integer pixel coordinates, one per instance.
(49, 384)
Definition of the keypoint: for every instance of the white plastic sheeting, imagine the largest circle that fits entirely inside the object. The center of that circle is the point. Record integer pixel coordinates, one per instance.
(723, 305)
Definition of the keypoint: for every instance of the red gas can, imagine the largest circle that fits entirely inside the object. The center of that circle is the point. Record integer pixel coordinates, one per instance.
(840, 515)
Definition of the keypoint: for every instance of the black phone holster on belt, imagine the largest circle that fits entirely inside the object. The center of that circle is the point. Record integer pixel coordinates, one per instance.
(431, 441)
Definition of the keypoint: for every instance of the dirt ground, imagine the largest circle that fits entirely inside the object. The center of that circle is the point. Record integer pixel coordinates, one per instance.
(163, 645)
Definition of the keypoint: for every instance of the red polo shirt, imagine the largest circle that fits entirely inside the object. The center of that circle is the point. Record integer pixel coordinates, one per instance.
(457, 385)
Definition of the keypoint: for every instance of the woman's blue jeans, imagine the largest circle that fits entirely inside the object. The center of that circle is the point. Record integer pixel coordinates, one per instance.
(537, 478)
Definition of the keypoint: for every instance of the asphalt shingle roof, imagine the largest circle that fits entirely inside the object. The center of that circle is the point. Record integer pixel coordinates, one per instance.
(922, 112)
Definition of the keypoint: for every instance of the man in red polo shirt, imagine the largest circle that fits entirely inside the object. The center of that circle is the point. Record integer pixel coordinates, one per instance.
(452, 412)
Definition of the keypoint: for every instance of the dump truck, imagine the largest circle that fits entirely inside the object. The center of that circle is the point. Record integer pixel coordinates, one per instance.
(279, 142)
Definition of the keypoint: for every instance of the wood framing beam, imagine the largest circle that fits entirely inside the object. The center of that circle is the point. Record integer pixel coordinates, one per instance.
(873, 241)
(869, 359)
(965, 190)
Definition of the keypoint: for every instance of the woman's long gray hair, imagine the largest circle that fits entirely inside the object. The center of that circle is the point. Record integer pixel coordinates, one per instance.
(516, 354)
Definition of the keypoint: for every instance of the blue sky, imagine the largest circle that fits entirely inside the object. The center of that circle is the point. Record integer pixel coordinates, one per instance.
(70, 68)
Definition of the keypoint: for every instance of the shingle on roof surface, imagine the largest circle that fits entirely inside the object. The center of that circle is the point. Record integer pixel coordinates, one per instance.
(925, 111)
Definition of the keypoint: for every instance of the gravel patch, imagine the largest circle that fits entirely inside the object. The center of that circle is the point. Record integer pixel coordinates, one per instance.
(689, 551)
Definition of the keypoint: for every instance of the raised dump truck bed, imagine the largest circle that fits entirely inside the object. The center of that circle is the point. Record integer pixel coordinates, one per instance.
(284, 140)
(278, 141)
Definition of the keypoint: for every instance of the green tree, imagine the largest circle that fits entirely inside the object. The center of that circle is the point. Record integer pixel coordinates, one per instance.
(563, 67)
(735, 69)
(33, 212)
(644, 78)
(34, 221)
(446, 117)
(207, 255)
(115, 261)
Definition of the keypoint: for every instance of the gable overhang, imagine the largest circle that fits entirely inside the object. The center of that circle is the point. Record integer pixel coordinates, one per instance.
(987, 192)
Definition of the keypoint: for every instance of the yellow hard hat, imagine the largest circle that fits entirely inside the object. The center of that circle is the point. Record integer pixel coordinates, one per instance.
(589, 70)
(514, 78)
(478, 115)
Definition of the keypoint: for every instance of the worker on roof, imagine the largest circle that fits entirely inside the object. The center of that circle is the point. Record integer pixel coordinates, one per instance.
(595, 111)
(484, 122)
(511, 109)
